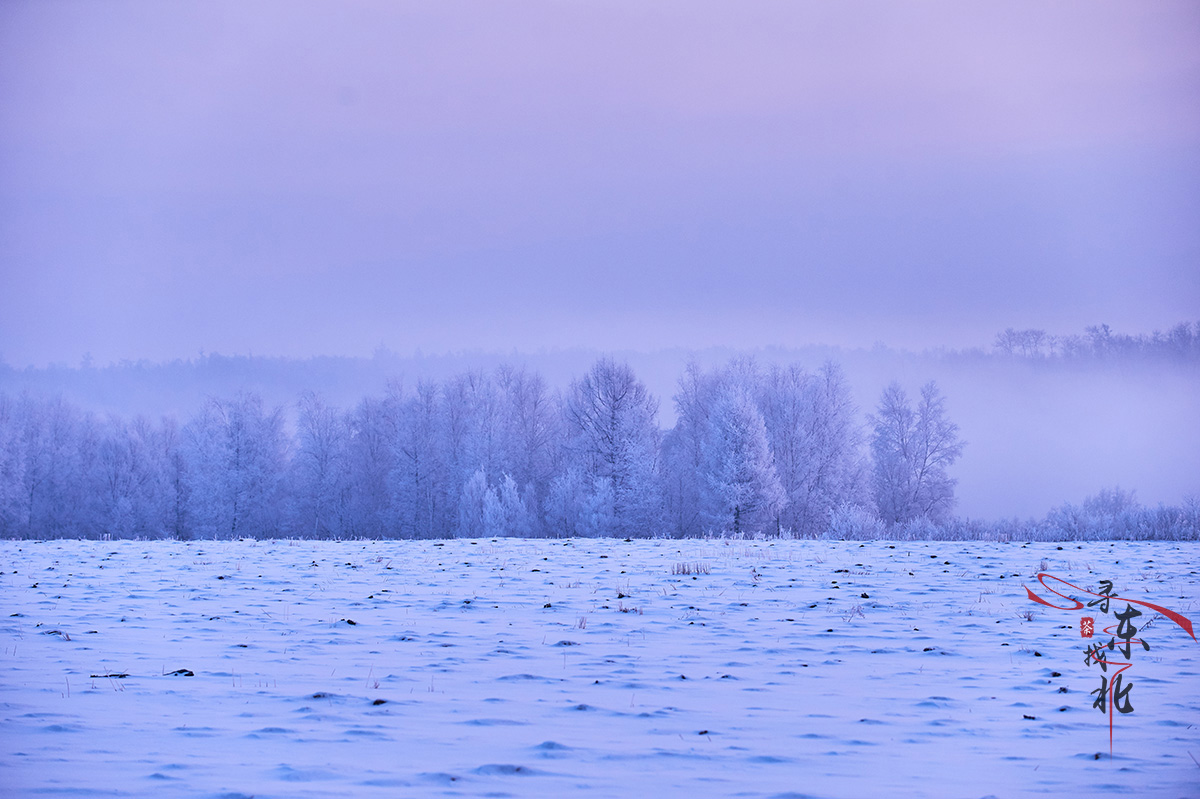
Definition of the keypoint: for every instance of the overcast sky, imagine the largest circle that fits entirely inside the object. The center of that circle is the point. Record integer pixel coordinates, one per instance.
(308, 178)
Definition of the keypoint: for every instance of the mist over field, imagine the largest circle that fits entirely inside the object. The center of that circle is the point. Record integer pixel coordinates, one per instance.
(1040, 430)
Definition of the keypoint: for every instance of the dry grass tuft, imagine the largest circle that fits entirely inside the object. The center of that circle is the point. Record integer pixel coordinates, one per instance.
(686, 569)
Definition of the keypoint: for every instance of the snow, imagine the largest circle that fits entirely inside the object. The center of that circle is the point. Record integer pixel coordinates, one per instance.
(507, 668)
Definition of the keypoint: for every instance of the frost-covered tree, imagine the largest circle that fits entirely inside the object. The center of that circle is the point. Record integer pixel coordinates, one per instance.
(236, 456)
(529, 432)
(613, 441)
(119, 467)
(66, 473)
(472, 506)
(913, 450)
(422, 502)
(320, 470)
(469, 428)
(817, 442)
(58, 445)
(170, 454)
(505, 512)
(683, 451)
(373, 431)
(136, 497)
(813, 432)
(501, 424)
(490, 511)
(12, 468)
(742, 493)
(566, 502)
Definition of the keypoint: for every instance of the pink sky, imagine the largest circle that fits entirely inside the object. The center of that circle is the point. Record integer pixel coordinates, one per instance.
(310, 178)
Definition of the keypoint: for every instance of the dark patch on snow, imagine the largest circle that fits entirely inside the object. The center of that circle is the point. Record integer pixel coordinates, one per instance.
(505, 769)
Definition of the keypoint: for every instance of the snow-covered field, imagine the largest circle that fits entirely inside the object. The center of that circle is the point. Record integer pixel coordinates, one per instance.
(583, 667)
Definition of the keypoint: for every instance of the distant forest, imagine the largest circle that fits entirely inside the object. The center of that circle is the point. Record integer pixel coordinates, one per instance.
(1180, 344)
(129, 388)
(755, 450)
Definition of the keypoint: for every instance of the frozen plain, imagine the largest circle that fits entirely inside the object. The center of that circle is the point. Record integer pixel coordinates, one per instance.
(583, 668)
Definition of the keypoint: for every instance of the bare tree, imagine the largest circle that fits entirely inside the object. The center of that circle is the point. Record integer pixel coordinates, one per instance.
(320, 469)
(742, 491)
(913, 451)
(236, 453)
(614, 440)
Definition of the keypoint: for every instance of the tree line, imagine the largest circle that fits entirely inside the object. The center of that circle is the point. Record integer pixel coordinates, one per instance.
(1099, 343)
(776, 451)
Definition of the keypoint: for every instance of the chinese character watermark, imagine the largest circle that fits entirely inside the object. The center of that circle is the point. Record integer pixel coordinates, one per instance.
(1114, 690)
